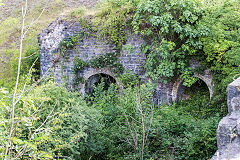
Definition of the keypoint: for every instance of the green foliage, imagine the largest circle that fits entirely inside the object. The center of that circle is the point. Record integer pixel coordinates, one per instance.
(123, 114)
(4, 100)
(138, 112)
(222, 44)
(172, 30)
(109, 126)
(67, 43)
(113, 19)
(77, 123)
(188, 77)
(50, 122)
(186, 130)
(79, 64)
(129, 48)
(29, 133)
(129, 80)
(71, 42)
(32, 59)
(109, 60)
(78, 80)
(178, 135)
(106, 100)
(221, 47)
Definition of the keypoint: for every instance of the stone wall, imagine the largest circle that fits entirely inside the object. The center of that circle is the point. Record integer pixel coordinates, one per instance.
(90, 47)
(228, 132)
(87, 49)
(206, 77)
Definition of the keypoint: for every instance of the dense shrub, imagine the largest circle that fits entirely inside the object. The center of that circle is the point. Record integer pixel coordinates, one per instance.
(179, 135)
(78, 124)
(221, 47)
(172, 33)
(52, 122)
(186, 130)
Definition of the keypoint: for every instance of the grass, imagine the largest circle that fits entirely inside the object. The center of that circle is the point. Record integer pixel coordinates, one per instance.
(10, 25)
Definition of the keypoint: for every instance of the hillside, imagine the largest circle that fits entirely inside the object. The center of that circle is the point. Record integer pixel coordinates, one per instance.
(120, 79)
(11, 7)
(10, 26)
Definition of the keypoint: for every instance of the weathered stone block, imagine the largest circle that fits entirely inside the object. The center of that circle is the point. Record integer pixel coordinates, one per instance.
(228, 132)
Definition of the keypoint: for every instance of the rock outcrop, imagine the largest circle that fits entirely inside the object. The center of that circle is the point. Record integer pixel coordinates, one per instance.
(228, 132)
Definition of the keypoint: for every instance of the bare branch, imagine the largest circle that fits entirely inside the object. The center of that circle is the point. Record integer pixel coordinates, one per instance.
(33, 22)
(26, 81)
(24, 11)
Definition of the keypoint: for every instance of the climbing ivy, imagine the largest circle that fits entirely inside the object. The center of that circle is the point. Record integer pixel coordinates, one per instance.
(79, 64)
(172, 32)
(71, 42)
(108, 60)
(114, 20)
(67, 43)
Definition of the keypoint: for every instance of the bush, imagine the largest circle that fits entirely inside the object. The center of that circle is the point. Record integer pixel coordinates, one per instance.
(77, 124)
(179, 135)
(52, 122)
(221, 47)
(172, 33)
(186, 130)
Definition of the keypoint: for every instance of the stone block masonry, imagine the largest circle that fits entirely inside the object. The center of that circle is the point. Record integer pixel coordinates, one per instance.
(89, 47)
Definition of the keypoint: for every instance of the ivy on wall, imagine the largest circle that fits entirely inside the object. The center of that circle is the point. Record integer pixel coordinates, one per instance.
(114, 20)
(108, 60)
(71, 42)
(175, 32)
(79, 64)
(172, 33)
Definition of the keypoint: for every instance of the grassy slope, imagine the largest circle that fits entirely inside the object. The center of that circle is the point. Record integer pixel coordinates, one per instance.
(10, 22)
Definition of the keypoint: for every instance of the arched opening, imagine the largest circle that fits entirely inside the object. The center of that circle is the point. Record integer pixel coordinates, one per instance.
(199, 89)
(96, 79)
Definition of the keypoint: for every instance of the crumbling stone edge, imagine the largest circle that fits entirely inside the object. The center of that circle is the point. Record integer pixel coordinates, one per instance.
(228, 132)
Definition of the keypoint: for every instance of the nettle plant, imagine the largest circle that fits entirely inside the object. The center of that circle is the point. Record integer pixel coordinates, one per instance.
(172, 32)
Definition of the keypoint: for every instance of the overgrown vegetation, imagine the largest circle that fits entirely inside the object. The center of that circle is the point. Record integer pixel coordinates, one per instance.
(108, 60)
(172, 31)
(53, 123)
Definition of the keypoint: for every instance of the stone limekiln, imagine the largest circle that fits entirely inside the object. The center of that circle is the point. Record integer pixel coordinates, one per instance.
(88, 48)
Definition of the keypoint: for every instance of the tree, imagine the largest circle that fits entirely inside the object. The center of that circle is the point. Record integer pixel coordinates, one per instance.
(171, 30)
(138, 112)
